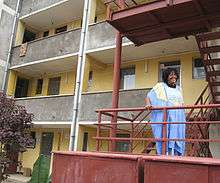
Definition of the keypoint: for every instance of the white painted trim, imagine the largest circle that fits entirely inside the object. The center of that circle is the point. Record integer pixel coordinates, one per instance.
(108, 47)
(52, 122)
(43, 9)
(45, 60)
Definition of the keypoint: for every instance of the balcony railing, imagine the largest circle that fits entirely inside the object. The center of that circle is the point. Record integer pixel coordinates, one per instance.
(59, 108)
(139, 122)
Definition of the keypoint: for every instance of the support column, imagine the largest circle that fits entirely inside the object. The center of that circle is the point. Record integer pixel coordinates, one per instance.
(116, 87)
(86, 74)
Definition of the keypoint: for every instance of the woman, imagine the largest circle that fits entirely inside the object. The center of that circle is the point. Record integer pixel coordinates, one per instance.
(167, 93)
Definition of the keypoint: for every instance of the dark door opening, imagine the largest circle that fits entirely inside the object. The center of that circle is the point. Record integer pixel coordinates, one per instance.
(28, 36)
(46, 143)
(85, 141)
(21, 87)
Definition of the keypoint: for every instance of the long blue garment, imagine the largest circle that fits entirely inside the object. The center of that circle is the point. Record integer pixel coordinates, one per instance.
(163, 95)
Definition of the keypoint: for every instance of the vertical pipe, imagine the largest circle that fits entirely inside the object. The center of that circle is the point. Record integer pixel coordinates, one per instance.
(164, 131)
(116, 86)
(10, 46)
(132, 135)
(98, 131)
(79, 76)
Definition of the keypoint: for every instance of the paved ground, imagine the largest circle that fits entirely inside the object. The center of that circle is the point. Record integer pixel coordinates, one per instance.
(16, 178)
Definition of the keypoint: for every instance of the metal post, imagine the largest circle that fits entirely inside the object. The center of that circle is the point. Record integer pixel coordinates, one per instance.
(116, 86)
(116, 81)
(164, 131)
(98, 131)
(80, 73)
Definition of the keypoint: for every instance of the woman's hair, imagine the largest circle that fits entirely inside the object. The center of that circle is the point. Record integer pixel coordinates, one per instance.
(167, 72)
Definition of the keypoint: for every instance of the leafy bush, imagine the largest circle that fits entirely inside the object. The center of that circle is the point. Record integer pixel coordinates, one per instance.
(15, 124)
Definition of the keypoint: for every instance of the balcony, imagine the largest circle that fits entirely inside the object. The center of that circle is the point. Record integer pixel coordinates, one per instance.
(54, 46)
(59, 108)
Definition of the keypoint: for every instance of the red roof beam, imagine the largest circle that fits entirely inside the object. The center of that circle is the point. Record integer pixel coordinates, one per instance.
(144, 8)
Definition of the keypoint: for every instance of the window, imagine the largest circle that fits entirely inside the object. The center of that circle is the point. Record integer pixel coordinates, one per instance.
(39, 86)
(198, 69)
(127, 78)
(54, 86)
(28, 36)
(61, 29)
(165, 65)
(122, 146)
(46, 33)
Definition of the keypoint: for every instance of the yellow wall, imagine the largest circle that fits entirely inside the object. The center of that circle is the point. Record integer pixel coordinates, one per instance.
(66, 84)
(102, 78)
(60, 142)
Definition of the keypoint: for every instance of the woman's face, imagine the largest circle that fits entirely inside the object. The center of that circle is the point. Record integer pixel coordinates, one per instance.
(172, 78)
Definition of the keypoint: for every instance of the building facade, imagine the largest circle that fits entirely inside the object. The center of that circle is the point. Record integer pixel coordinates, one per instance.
(43, 64)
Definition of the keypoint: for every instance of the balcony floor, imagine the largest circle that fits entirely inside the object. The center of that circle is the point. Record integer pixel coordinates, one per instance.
(164, 19)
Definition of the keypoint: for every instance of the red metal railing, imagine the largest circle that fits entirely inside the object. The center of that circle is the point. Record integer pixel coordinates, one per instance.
(139, 120)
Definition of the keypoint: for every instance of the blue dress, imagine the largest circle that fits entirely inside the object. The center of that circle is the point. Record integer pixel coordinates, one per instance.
(163, 95)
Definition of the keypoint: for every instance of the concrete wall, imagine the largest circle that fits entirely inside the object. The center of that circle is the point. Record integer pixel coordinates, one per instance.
(6, 24)
(101, 35)
(11, 3)
(53, 46)
(59, 108)
(29, 6)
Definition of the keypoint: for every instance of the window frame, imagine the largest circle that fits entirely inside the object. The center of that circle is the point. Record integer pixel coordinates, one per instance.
(193, 71)
(121, 79)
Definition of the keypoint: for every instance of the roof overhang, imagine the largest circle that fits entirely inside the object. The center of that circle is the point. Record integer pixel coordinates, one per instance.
(166, 19)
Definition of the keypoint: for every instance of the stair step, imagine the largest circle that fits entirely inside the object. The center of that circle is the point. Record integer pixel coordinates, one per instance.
(210, 49)
(215, 83)
(213, 73)
(208, 36)
(213, 61)
(217, 93)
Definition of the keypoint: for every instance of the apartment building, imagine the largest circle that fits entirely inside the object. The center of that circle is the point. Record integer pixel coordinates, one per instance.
(43, 67)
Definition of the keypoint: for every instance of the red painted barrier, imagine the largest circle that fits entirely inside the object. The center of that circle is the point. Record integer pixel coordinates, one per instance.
(165, 169)
(81, 167)
(85, 167)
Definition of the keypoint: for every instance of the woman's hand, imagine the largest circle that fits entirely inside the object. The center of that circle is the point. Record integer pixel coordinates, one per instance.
(148, 107)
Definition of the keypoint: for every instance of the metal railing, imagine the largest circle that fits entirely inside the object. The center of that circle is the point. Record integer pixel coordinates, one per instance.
(140, 120)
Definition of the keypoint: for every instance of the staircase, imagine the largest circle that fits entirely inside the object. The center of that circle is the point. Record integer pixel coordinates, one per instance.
(209, 47)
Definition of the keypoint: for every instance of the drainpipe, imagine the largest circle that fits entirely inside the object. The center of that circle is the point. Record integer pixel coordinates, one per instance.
(10, 46)
(80, 73)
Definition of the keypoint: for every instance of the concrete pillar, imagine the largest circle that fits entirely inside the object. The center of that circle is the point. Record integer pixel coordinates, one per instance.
(86, 74)
(19, 33)
(12, 79)
(92, 11)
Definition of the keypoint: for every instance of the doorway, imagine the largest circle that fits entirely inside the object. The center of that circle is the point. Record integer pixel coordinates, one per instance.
(21, 87)
(46, 143)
